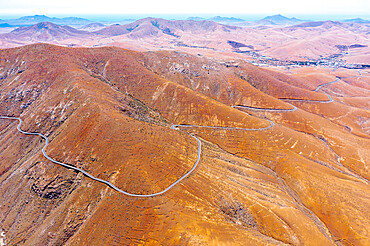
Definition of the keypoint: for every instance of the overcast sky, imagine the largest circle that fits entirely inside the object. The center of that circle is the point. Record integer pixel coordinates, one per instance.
(227, 8)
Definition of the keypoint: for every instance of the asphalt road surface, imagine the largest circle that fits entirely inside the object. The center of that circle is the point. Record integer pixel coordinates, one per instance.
(174, 127)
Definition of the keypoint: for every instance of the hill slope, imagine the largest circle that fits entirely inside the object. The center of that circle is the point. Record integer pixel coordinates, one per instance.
(45, 31)
(302, 181)
(156, 26)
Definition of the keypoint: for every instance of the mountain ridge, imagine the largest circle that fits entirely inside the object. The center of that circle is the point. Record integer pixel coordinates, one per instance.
(44, 31)
(281, 20)
(356, 20)
(225, 19)
(109, 110)
(157, 26)
(34, 19)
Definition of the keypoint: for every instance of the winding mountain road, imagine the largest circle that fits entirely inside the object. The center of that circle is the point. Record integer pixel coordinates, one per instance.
(174, 127)
(306, 100)
(101, 180)
(294, 108)
(322, 85)
(316, 90)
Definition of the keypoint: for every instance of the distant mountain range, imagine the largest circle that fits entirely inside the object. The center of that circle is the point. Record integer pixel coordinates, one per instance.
(268, 20)
(3, 25)
(323, 24)
(92, 27)
(157, 26)
(281, 20)
(31, 20)
(195, 18)
(225, 19)
(83, 23)
(356, 20)
(45, 31)
(148, 27)
(283, 41)
(143, 28)
(219, 19)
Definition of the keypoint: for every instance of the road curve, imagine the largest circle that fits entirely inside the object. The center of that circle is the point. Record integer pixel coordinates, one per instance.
(316, 90)
(313, 101)
(101, 180)
(325, 84)
(294, 108)
(174, 127)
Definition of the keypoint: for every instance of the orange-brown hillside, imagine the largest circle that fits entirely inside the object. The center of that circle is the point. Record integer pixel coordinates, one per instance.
(304, 181)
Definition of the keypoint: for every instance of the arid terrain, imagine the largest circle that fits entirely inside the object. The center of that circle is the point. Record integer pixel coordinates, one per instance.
(282, 114)
(328, 42)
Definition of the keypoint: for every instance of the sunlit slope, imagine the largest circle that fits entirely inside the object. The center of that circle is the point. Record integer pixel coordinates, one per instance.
(303, 181)
(354, 159)
(91, 126)
(231, 82)
(222, 81)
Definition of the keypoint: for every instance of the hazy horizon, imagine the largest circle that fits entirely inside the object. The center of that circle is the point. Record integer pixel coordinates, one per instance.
(116, 10)
(246, 17)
